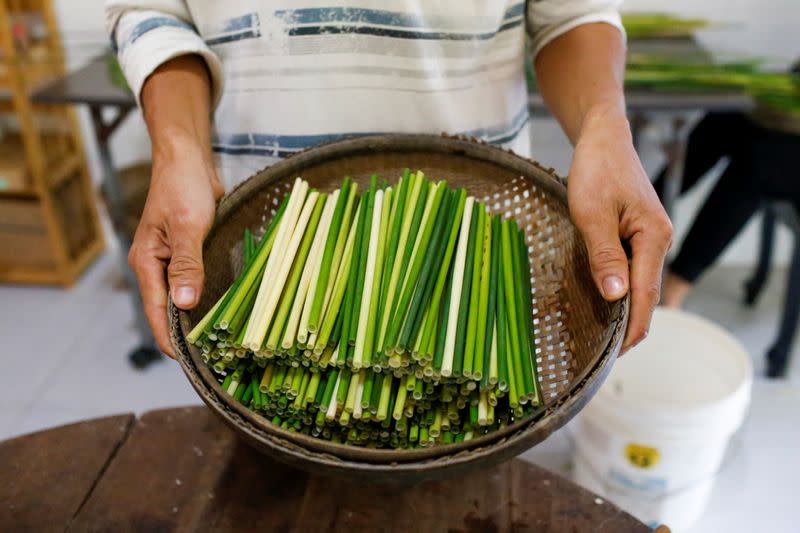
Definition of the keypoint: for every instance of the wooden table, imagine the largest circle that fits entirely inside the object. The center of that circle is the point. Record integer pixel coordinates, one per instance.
(183, 470)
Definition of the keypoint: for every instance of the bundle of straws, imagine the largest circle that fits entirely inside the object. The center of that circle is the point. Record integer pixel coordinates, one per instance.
(396, 317)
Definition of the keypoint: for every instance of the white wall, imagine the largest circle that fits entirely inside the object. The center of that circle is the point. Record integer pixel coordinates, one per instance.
(84, 37)
(761, 28)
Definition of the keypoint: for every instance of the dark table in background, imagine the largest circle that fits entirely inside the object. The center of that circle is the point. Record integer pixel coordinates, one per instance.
(680, 109)
(184, 470)
(92, 86)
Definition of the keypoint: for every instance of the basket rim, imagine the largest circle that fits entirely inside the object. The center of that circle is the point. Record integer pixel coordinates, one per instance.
(283, 441)
(555, 416)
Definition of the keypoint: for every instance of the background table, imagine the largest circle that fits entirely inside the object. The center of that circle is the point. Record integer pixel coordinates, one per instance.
(92, 86)
(681, 109)
(182, 469)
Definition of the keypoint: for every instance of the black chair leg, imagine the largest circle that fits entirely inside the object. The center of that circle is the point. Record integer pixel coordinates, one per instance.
(753, 287)
(778, 355)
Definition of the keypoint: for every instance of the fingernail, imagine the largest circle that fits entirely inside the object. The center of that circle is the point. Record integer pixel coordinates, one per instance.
(613, 287)
(184, 296)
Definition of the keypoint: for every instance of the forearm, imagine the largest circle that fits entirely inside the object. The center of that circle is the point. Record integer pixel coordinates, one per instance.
(580, 75)
(176, 102)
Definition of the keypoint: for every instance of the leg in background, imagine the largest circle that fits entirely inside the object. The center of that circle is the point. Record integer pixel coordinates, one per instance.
(731, 204)
(716, 136)
(778, 355)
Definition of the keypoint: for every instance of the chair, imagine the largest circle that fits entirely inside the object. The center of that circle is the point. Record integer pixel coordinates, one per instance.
(786, 213)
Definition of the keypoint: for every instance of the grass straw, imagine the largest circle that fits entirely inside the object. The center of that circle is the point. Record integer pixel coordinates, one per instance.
(358, 297)
(349, 326)
(290, 292)
(257, 325)
(427, 223)
(481, 362)
(338, 251)
(313, 283)
(522, 321)
(525, 277)
(426, 300)
(281, 274)
(515, 349)
(377, 280)
(464, 307)
(457, 283)
(342, 277)
(490, 377)
(411, 206)
(321, 283)
(366, 296)
(475, 288)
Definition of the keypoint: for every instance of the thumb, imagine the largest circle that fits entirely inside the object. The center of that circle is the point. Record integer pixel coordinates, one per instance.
(185, 273)
(607, 259)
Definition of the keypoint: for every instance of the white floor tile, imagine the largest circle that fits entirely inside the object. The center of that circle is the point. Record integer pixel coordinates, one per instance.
(7, 422)
(554, 454)
(38, 418)
(98, 373)
(756, 487)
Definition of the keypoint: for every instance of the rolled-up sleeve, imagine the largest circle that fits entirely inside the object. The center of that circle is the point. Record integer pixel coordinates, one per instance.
(547, 19)
(146, 34)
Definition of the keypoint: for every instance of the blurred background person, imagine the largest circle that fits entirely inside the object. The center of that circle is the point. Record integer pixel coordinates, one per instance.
(762, 164)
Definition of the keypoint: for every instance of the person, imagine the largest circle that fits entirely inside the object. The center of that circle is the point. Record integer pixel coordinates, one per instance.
(283, 76)
(761, 165)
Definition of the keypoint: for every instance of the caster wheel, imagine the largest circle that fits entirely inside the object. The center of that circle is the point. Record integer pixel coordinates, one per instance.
(777, 365)
(751, 294)
(141, 357)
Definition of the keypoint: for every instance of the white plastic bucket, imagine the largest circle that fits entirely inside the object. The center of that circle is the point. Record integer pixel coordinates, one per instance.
(654, 436)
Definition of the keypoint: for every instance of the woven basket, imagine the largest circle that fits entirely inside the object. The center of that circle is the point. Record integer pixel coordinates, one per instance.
(578, 334)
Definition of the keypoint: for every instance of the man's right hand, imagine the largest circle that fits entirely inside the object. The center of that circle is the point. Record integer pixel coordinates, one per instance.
(177, 216)
(167, 250)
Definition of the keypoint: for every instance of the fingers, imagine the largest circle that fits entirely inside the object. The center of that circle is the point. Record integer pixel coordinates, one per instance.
(149, 272)
(185, 272)
(649, 250)
(607, 258)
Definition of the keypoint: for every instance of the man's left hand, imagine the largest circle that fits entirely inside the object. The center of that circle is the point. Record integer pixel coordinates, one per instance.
(611, 199)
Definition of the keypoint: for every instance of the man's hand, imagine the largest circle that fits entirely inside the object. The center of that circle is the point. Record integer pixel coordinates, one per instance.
(611, 198)
(167, 249)
(177, 216)
(580, 76)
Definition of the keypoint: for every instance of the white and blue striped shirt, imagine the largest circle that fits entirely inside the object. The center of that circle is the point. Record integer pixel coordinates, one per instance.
(288, 75)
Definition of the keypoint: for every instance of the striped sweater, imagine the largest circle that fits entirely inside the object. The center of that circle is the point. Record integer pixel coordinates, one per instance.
(289, 74)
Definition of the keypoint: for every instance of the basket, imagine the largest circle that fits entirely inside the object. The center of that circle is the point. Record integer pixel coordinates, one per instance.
(578, 334)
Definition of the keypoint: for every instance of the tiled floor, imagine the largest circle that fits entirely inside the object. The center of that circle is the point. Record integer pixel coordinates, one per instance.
(65, 356)
(70, 350)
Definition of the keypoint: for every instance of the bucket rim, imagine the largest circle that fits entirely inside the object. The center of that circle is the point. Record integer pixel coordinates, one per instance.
(726, 412)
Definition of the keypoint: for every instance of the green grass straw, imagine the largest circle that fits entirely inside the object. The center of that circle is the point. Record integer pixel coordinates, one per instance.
(479, 366)
(327, 256)
(290, 290)
(463, 310)
(475, 288)
(429, 270)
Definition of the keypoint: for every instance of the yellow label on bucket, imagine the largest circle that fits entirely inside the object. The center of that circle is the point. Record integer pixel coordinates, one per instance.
(642, 456)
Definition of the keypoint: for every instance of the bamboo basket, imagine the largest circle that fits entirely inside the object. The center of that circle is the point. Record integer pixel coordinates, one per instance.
(578, 334)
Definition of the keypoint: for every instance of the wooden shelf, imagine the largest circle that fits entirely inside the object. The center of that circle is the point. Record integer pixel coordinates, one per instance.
(49, 227)
(24, 194)
(63, 168)
(31, 275)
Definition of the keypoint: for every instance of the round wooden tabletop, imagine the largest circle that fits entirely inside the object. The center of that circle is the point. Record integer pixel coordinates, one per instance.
(183, 470)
